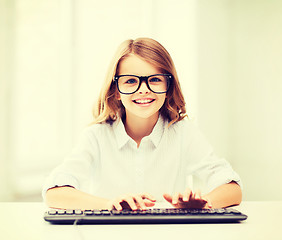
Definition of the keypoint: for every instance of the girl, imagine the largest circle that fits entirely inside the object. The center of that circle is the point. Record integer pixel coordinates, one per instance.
(141, 148)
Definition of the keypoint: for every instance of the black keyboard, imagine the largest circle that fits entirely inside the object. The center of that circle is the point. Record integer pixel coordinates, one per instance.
(149, 216)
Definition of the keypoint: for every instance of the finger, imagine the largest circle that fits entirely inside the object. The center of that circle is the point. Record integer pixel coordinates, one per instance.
(167, 197)
(131, 203)
(148, 196)
(140, 202)
(208, 202)
(176, 197)
(198, 195)
(187, 195)
(117, 205)
(149, 203)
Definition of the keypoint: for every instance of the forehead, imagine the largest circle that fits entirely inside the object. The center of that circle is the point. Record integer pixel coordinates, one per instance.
(136, 66)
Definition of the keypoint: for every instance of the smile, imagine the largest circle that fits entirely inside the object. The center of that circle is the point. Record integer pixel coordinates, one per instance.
(144, 101)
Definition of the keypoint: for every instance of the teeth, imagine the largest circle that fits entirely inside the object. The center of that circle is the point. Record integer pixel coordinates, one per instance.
(143, 101)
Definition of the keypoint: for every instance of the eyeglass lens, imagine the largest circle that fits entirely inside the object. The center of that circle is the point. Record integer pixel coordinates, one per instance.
(129, 84)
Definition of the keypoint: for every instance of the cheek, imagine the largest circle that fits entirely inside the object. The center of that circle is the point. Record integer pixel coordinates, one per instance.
(162, 99)
(125, 101)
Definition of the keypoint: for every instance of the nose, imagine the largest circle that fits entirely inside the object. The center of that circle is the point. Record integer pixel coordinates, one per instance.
(143, 88)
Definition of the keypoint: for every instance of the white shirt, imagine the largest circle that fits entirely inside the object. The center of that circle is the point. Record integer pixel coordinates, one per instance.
(107, 163)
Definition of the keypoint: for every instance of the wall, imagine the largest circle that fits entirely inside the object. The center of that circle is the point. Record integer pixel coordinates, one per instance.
(256, 130)
(6, 61)
(240, 56)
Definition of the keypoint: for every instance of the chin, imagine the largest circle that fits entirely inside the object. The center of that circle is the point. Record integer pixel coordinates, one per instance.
(147, 115)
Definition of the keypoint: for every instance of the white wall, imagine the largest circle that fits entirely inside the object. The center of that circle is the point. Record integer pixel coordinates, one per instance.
(54, 56)
(256, 129)
(240, 83)
(6, 23)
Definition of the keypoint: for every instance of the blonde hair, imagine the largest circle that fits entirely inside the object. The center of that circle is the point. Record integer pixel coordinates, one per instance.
(109, 108)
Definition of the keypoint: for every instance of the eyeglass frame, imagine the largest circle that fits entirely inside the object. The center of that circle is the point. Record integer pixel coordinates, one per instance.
(144, 79)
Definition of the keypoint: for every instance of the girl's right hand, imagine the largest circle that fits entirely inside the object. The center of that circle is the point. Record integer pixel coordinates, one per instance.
(132, 201)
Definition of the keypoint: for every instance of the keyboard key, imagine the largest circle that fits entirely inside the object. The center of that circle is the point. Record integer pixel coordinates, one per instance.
(78, 212)
(125, 212)
(234, 211)
(52, 212)
(61, 212)
(88, 212)
(134, 213)
(105, 212)
(116, 212)
(211, 211)
(69, 212)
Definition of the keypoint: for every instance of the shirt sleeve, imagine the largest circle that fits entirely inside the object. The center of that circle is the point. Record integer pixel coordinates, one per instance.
(205, 165)
(77, 168)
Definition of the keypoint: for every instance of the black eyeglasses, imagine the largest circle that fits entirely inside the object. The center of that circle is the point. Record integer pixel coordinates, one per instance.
(129, 84)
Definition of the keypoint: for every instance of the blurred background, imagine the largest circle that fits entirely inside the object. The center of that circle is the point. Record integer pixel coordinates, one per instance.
(54, 55)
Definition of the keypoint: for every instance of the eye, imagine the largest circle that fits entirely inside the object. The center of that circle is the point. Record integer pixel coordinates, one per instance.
(131, 81)
(156, 80)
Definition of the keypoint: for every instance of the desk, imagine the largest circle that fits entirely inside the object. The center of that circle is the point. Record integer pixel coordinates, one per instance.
(20, 221)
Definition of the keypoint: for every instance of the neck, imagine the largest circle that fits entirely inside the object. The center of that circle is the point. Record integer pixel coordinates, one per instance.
(137, 128)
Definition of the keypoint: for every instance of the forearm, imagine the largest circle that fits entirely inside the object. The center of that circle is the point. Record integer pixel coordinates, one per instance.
(71, 198)
(225, 195)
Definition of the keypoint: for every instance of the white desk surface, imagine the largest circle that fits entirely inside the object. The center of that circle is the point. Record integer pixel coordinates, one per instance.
(25, 221)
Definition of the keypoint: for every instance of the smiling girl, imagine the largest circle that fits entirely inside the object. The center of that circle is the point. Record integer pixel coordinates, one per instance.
(141, 147)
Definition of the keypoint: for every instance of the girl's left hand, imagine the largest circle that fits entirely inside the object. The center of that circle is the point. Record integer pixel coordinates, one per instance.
(188, 200)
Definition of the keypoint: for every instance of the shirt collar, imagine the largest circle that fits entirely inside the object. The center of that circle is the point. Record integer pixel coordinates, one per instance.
(155, 137)
(157, 133)
(121, 136)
